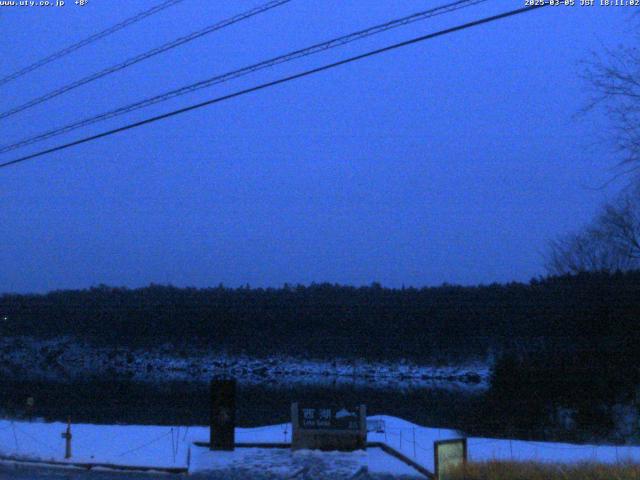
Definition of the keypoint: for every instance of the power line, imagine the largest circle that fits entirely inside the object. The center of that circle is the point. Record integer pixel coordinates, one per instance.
(319, 47)
(143, 56)
(97, 36)
(276, 82)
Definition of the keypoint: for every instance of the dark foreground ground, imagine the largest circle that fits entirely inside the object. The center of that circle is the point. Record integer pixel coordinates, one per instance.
(14, 472)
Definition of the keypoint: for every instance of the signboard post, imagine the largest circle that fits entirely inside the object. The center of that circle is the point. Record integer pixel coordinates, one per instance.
(449, 455)
(328, 427)
(223, 415)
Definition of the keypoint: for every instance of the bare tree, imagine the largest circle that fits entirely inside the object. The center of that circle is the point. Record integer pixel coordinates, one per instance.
(611, 243)
(615, 78)
(583, 252)
(621, 222)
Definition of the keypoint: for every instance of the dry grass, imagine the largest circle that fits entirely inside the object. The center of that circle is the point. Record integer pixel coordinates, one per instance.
(541, 471)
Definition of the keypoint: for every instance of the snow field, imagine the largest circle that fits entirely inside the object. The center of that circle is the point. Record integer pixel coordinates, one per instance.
(172, 446)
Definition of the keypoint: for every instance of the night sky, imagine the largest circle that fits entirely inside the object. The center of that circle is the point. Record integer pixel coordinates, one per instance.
(453, 160)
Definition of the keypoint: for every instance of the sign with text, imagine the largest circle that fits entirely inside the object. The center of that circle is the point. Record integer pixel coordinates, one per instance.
(450, 455)
(328, 427)
(329, 418)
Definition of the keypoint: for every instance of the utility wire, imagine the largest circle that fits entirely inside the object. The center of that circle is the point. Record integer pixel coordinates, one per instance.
(97, 36)
(319, 47)
(263, 86)
(144, 56)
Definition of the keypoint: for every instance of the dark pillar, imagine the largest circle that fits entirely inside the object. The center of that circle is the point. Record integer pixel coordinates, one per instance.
(223, 415)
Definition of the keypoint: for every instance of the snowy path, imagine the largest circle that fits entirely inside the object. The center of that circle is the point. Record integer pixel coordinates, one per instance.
(162, 446)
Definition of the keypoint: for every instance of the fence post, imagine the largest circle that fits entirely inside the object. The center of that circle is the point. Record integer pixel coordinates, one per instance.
(15, 437)
(67, 437)
(414, 442)
(173, 446)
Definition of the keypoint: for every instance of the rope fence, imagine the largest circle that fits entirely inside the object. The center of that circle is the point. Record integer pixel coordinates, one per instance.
(34, 439)
(156, 439)
(407, 440)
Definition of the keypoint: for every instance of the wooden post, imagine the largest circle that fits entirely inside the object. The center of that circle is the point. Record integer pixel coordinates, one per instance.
(30, 403)
(223, 415)
(363, 426)
(67, 439)
(295, 427)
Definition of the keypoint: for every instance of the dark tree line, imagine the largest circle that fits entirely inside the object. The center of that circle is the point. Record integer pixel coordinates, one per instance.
(585, 311)
(528, 391)
(561, 342)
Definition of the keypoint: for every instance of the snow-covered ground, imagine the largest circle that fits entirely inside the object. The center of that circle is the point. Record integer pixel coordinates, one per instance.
(69, 358)
(154, 446)
(170, 447)
(284, 463)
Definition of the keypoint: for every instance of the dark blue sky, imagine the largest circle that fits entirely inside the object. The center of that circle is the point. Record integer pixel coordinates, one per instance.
(452, 161)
